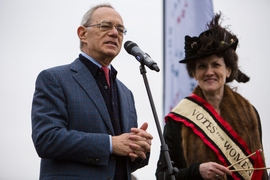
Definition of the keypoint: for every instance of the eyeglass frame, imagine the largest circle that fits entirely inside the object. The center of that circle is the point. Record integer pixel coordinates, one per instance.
(111, 27)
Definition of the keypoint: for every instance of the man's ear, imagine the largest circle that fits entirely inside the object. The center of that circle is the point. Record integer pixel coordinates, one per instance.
(81, 32)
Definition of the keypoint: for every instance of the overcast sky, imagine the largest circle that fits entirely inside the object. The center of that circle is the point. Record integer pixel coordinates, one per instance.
(37, 34)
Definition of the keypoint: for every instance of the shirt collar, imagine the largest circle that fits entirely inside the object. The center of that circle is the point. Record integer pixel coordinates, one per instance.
(95, 67)
(93, 60)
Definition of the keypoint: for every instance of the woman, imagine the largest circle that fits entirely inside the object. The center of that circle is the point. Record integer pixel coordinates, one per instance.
(215, 133)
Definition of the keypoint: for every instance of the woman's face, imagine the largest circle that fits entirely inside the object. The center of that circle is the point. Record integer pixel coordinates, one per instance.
(211, 73)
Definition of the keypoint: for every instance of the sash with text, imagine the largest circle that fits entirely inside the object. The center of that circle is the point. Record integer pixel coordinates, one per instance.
(200, 116)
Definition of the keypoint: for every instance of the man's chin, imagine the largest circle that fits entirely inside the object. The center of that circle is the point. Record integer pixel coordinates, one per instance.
(111, 54)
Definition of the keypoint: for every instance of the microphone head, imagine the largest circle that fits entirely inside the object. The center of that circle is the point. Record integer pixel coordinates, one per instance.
(129, 45)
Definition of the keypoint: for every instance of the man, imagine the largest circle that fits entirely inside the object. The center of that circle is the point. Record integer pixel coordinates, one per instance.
(83, 126)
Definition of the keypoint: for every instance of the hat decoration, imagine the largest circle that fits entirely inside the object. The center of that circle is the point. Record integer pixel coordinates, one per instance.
(213, 40)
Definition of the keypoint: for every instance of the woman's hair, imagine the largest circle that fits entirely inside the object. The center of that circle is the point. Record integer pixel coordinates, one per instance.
(231, 61)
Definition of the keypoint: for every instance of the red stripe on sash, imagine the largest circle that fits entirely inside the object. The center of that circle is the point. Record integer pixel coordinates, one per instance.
(258, 164)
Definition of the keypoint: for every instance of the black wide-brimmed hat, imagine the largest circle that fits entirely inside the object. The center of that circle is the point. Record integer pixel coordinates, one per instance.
(213, 40)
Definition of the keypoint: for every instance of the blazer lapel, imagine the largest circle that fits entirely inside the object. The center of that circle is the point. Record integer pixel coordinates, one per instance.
(88, 83)
(125, 101)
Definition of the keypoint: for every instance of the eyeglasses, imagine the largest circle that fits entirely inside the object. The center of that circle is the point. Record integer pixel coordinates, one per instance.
(107, 25)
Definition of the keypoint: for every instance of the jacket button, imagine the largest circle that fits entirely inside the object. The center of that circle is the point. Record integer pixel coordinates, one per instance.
(109, 132)
(89, 160)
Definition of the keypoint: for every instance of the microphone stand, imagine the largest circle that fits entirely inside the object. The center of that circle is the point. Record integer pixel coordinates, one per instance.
(164, 148)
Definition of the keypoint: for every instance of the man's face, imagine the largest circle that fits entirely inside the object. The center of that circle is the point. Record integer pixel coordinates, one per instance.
(103, 42)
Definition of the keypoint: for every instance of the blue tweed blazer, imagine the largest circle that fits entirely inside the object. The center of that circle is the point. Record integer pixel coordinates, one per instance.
(71, 125)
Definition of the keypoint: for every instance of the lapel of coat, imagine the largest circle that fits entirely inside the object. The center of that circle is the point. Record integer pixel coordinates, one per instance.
(87, 82)
(123, 95)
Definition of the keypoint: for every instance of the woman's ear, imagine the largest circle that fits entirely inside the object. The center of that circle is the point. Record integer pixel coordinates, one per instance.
(228, 73)
(194, 76)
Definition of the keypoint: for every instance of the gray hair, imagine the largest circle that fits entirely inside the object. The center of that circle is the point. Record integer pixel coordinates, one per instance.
(87, 18)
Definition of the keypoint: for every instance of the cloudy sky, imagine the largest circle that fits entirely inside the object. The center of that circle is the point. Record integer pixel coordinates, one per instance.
(39, 34)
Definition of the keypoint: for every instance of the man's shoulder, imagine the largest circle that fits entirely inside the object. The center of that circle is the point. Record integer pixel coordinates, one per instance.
(60, 70)
(63, 67)
(58, 67)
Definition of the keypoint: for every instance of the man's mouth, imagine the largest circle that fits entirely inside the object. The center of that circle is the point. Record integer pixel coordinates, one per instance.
(110, 42)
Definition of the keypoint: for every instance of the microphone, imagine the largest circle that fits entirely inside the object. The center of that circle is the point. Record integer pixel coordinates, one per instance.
(133, 49)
